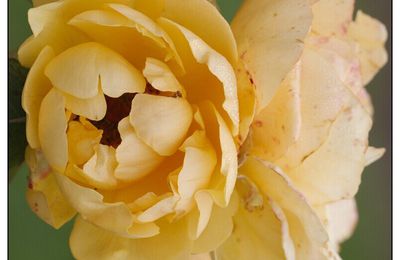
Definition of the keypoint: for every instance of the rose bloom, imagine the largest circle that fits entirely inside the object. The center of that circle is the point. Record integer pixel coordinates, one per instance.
(172, 135)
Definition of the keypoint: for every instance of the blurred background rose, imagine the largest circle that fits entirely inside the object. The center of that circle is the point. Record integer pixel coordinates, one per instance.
(31, 238)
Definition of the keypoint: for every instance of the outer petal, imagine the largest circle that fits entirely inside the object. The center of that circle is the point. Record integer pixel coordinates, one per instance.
(332, 17)
(151, 113)
(373, 154)
(52, 130)
(89, 203)
(79, 70)
(278, 125)
(305, 228)
(35, 89)
(207, 23)
(371, 35)
(260, 232)
(333, 171)
(90, 242)
(43, 195)
(135, 158)
(270, 52)
(40, 16)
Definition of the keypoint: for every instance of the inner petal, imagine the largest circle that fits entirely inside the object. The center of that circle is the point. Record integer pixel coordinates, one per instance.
(161, 122)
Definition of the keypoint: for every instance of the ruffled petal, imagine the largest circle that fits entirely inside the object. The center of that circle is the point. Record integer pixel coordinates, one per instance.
(79, 70)
(52, 130)
(161, 122)
(135, 158)
(38, 17)
(35, 89)
(82, 140)
(43, 195)
(90, 242)
(270, 52)
(207, 23)
(306, 230)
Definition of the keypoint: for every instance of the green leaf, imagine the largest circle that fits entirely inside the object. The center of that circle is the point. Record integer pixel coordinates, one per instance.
(16, 116)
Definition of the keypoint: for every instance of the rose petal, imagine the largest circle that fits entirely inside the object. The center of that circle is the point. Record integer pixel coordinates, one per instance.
(306, 230)
(99, 170)
(371, 35)
(198, 165)
(207, 23)
(38, 17)
(35, 89)
(135, 159)
(219, 66)
(44, 196)
(58, 36)
(258, 234)
(373, 154)
(82, 139)
(218, 229)
(52, 130)
(78, 70)
(334, 170)
(332, 17)
(278, 125)
(161, 122)
(270, 52)
(90, 242)
(323, 96)
(89, 203)
(158, 210)
(94, 108)
(161, 77)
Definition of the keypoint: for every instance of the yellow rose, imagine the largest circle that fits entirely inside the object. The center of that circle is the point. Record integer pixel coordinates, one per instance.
(132, 114)
(141, 114)
(308, 144)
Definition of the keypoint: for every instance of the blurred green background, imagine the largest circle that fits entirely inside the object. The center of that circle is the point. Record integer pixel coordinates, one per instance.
(30, 238)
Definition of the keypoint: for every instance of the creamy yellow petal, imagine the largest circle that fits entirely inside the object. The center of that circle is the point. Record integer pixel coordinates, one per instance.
(82, 140)
(78, 70)
(152, 8)
(305, 228)
(373, 154)
(278, 125)
(90, 242)
(158, 210)
(342, 219)
(259, 234)
(39, 17)
(198, 165)
(334, 170)
(332, 17)
(52, 130)
(247, 101)
(100, 167)
(371, 35)
(135, 159)
(220, 68)
(221, 138)
(161, 122)
(205, 204)
(323, 95)
(218, 229)
(94, 108)
(270, 52)
(89, 203)
(43, 194)
(56, 35)
(151, 29)
(161, 77)
(207, 24)
(35, 89)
